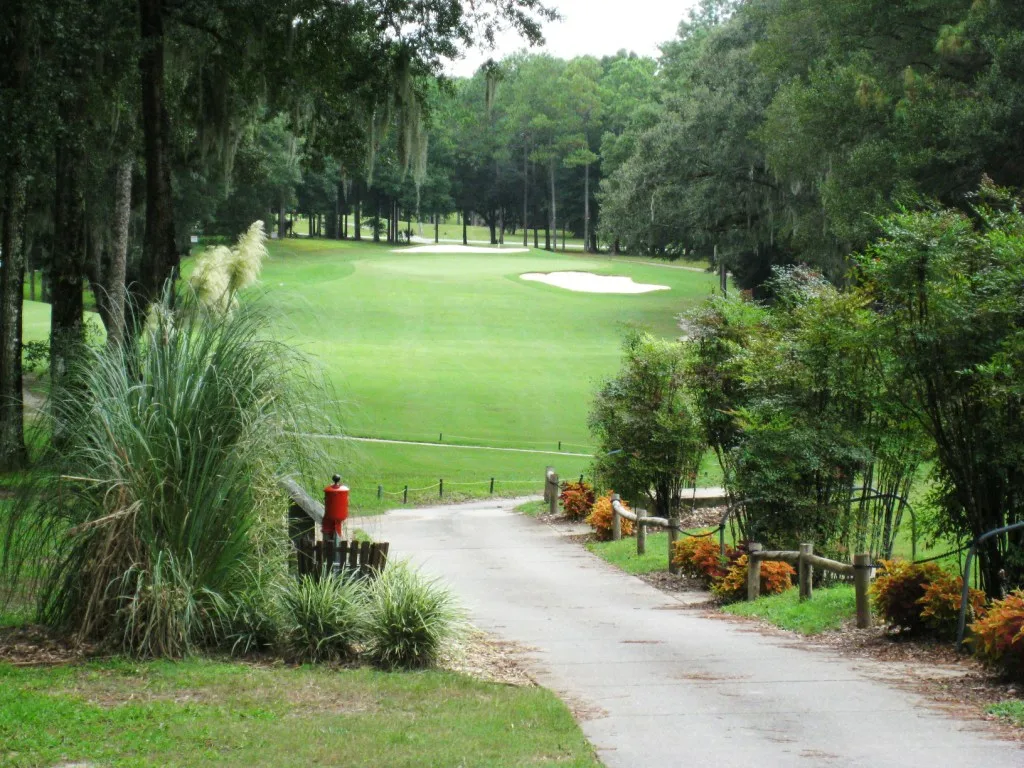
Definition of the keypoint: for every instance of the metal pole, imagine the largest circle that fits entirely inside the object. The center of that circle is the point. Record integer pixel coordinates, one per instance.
(965, 595)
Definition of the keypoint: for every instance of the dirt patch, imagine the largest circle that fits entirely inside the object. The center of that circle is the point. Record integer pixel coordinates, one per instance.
(34, 646)
(487, 658)
(674, 582)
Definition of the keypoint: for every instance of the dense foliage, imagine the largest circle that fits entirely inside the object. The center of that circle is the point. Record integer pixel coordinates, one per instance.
(645, 424)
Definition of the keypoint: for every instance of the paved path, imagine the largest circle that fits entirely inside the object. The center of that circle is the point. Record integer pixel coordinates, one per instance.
(661, 685)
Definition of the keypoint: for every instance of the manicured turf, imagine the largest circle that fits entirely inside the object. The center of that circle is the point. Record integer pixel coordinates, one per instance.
(827, 609)
(120, 713)
(422, 346)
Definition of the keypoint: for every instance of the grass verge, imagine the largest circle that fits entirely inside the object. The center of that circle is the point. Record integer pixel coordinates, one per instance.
(533, 508)
(1012, 710)
(827, 609)
(202, 712)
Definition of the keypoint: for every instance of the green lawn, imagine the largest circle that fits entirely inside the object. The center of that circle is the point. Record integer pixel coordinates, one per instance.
(827, 609)
(422, 346)
(121, 713)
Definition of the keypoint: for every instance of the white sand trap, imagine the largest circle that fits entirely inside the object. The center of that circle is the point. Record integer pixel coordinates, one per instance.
(458, 249)
(588, 282)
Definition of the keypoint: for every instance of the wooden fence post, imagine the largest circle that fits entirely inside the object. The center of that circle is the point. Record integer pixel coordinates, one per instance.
(553, 494)
(548, 471)
(805, 571)
(753, 571)
(673, 536)
(861, 580)
(641, 532)
(616, 520)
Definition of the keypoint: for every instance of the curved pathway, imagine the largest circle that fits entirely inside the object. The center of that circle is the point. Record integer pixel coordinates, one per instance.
(655, 684)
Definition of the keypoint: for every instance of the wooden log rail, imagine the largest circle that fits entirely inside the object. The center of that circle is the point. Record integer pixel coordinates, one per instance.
(806, 561)
(641, 520)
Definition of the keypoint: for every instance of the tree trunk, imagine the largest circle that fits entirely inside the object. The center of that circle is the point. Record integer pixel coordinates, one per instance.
(586, 208)
(492, 224)
(12, 277)
(282, 222)
(115, 278)
(68, 261)
(358, 223)
(465, 215)
(437, 227)
(159, 254)
(554, 216)
(535, 236)
(526, 197)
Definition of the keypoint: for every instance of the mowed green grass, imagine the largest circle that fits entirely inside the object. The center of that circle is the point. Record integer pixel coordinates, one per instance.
(457, 348)
(420, 345)
(121, 713)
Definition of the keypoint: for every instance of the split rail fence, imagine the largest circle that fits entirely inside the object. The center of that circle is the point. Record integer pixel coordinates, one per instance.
(806, 561)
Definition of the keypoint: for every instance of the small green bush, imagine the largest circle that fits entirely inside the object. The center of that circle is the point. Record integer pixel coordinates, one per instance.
(322, 619)
(250, 621)
(410, 618)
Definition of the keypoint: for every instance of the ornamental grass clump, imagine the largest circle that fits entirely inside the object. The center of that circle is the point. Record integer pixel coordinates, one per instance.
(323, 619)
(159, 501)
(410, 618)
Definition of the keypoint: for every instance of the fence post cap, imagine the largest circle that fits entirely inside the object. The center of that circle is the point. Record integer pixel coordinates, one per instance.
(616, 497)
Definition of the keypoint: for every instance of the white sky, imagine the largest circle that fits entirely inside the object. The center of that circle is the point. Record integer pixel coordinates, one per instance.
(596, 27)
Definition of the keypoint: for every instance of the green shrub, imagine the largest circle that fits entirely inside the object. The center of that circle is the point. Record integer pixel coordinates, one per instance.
(323, 619)
(250, 621)
(409, 619)
(998, 636)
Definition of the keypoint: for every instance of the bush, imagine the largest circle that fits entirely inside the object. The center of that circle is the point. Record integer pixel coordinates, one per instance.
(998, 636)
(701, 558)
(600, 518)
(940, 604)
(409, 618)
(898, 590)
(323, 619)
(577, 499)
(250, 621)
(776, 578)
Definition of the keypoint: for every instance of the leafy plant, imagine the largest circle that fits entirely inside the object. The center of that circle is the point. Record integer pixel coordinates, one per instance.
(998, 636)
(161, 499)
(600, 518)
(250, 620)
(409, 618)
(776, 578)
(577, 499)
(701, 558)
(898, 590)
(323, 619)
(646, 423)
(940, 604)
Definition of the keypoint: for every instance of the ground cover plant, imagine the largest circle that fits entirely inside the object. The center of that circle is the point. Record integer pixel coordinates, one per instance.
(123, 713)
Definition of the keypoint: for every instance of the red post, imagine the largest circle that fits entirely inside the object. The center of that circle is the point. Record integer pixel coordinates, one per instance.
(335, 507)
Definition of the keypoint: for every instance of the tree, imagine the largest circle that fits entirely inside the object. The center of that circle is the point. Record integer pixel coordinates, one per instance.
(947, 286)
(645, 424)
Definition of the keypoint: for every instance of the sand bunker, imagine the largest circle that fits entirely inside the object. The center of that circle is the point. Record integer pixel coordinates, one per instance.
(588, 282)
(459, 249)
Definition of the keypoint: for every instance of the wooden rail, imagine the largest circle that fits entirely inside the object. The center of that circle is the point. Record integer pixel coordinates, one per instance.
(641, 520)
(806, 561)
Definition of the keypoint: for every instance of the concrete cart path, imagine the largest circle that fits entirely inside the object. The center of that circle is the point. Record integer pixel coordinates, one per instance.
(657, 684)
